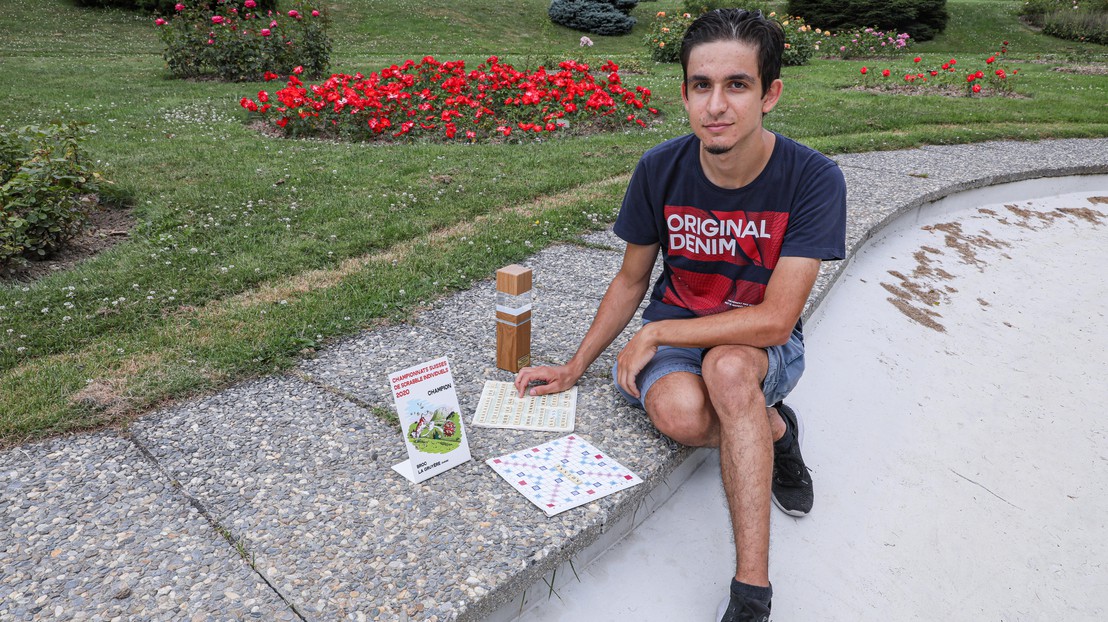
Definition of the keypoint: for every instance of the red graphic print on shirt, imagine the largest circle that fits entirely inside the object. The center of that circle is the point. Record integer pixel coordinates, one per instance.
(721, 259)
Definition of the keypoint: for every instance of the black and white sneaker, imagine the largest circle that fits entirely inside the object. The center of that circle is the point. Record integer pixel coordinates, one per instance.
(739, 609)
(792, 484)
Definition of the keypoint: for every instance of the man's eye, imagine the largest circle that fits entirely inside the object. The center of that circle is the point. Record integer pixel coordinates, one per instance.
(738, 85)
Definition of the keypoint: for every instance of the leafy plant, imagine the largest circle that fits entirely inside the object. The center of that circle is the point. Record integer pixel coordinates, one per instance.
(166, 6)
(801, 41)
(43, 176)
(700, 7)
(664, 39)
(666, 32)
(234, 44)
(1077, 24)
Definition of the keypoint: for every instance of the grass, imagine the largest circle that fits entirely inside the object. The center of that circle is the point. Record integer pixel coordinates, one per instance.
(251, 252)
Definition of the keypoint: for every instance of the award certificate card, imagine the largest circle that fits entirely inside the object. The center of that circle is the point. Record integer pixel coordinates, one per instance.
(563, 474)
(430, 420)
(501, 407)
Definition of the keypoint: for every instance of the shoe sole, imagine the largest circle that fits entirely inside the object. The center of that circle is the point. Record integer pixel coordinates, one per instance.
(799, 439)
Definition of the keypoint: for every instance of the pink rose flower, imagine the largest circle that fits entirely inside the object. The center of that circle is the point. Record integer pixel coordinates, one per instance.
(217, 19)
(249, 4)
(179, 7)
(266, 32)
(294, 14)
(315, 13)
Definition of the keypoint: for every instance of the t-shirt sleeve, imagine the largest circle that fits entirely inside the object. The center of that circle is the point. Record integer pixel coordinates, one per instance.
(636, 222)
(817, 224)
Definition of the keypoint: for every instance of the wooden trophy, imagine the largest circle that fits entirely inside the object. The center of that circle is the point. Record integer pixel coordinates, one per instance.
(513, 318)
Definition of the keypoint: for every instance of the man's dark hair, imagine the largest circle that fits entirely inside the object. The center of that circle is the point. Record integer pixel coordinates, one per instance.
(748, 27)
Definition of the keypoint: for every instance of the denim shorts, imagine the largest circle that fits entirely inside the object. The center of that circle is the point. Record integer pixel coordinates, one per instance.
(786, 365)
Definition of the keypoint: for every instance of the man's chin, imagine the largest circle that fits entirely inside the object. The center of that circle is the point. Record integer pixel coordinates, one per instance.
(718, 149)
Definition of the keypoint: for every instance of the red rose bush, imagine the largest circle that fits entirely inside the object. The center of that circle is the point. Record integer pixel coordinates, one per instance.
(445, 101)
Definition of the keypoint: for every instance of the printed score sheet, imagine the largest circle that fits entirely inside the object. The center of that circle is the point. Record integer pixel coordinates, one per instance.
(501, 407)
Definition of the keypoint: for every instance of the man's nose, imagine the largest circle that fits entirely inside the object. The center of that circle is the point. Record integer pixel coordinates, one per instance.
(717, 101)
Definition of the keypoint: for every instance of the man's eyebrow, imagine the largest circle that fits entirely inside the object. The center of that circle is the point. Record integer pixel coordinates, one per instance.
(741, 77)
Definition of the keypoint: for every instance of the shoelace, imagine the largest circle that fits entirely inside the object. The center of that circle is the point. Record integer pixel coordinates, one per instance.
(791, 470)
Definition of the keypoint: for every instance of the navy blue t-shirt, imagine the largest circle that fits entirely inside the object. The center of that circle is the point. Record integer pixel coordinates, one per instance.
(719, 246)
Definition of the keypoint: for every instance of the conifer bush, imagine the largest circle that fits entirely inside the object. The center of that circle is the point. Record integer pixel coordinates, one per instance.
(922, 19)
(602, 17)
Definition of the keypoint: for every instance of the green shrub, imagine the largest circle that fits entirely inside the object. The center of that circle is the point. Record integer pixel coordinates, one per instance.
(700, 7)
(922, 19)
(236, 45)
(666, 31)
(43, 177)
(801, 41)
(602, 17)
(664, 39)
(1079, 25)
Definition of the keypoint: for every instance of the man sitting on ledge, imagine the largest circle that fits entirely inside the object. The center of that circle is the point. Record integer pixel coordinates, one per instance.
(743, 216)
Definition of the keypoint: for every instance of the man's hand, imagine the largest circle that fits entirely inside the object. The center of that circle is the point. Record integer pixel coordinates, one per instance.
(634, 356)
(545, 380)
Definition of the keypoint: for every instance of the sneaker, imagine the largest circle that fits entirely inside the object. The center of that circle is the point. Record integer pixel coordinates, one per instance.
(792, 484)
(738, 609)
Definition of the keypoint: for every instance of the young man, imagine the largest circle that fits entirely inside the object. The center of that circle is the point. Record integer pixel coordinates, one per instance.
(743, 217)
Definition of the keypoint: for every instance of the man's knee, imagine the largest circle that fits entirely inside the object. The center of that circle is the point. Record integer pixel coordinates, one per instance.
(736, 372)
(678, 406)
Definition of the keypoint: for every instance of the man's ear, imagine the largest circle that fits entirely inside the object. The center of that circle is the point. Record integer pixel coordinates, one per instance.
(684, 92)
(773, 94)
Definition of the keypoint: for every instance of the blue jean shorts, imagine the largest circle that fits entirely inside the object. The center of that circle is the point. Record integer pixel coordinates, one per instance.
(786, 365)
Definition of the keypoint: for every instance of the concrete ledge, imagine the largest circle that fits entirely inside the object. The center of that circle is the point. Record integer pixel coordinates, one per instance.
(295, 470)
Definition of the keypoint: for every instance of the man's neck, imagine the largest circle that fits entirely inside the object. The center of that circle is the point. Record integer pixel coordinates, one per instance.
(741, 165)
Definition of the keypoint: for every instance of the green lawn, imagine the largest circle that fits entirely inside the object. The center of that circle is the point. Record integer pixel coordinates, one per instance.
(250, 251)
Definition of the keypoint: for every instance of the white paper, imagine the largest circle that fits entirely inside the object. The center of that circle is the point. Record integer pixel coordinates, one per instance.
(501, 407)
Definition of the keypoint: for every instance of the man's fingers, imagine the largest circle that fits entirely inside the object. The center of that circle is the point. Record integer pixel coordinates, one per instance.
(542, 389)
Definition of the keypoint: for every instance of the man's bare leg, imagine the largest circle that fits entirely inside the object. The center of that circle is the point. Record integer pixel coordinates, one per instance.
(681, 407)
(733, 377)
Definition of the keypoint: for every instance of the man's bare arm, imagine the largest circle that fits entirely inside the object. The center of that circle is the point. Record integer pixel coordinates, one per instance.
(616, 309)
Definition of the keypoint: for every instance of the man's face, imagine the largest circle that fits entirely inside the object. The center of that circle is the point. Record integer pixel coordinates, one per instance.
(723, 95)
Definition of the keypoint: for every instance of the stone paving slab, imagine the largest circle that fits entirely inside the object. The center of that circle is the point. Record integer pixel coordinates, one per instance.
(92, 530)
(304, 479)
